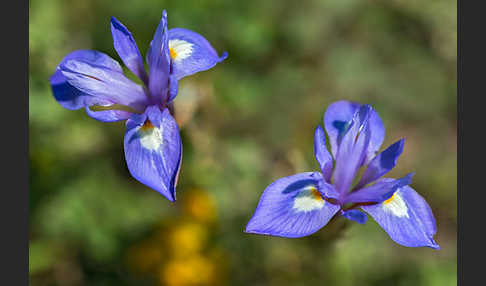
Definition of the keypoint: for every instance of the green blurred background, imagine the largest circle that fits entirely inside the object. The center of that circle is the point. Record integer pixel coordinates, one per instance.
(244, 123)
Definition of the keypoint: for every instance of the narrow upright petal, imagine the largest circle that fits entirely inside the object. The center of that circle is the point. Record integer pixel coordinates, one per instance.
(103, 83)
(322, 155)
(337, 118)
(382, 163)
(173, 87)
(407, 218)
(127, 49)
(153, 150)
(158, 60)
(293, 207)
(379, 191)
(352, 149)
(191, 53)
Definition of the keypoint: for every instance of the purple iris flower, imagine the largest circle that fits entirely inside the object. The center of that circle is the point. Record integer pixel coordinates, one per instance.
(93, 80)
(301, 204)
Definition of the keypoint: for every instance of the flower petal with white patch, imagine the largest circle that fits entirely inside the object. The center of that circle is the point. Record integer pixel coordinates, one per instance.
(153, 150)
(191, 53)
(293, 206)
(407, 218)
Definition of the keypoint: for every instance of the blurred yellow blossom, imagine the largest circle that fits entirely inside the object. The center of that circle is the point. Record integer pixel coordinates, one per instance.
(200, 205)
(178, 253)
(195, 270)
(186, 239)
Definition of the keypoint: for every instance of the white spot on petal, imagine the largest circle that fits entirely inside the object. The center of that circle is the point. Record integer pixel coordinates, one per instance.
(308, 200)
(150, 136)
(179, 49)
(396, 205)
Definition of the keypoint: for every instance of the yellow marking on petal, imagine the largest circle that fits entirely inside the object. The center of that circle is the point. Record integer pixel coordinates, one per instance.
(316, 194)
(173, 54)
(147, 125)
(396, 206)
(179, 49)
(390, 199)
